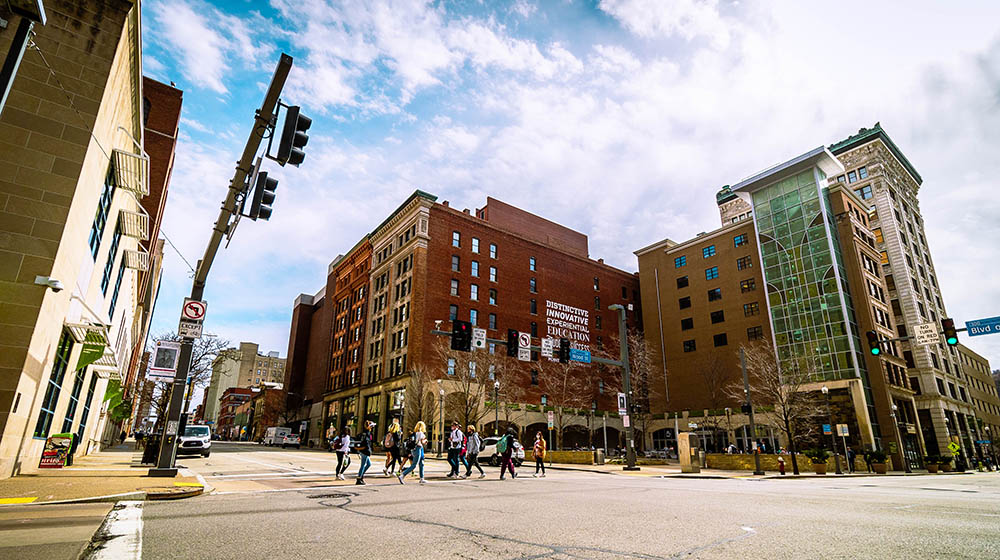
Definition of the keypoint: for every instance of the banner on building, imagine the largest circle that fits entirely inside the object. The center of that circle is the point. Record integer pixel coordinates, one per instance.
(56, 451)
(90, 353)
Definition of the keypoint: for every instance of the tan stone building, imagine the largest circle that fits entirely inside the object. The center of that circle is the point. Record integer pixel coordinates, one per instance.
(983, 397)
(75, 237)
(244, 366)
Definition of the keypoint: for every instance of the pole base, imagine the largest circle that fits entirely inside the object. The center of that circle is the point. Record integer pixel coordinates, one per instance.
(630, 468)
(168, 472)
(759, 473)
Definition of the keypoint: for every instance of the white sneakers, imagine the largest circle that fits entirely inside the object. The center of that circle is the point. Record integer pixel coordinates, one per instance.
(340, 477)
(422, 481)
(462, 476)
(482, 475)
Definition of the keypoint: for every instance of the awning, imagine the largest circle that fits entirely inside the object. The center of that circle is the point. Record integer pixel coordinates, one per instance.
(138, 260)
(88, 333)
(131, 171)
(134, 224)
(108, 364)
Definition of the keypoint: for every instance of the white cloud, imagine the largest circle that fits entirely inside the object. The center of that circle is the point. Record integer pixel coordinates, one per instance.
(688, 19)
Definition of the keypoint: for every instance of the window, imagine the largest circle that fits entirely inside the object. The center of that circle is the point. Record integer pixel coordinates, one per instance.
(680, 261)
(862, 172)
(715, 294)
(751, 309)
(473, 317)
(493, 297)
(682, 282)
(864, 192)
(533, 307)
(624, 292)
(940, 385)
(534, 377)
(743, 262)
(755, 333)
(711, 273)
(840, 178)
(493, 274)
(454, 287)
(748, 285)
(451, 366)
(852, 176)
(473, 292)
(493, 321)
(720, 340)
(718, 317)
(597, 283)
(109, 266)
(740, 240)
(532, 285)
(708, 251)
(59, 367)
(689, 346)
(475, 244)
(534, 328)
(474, 268)
(687, 324)
(597, 322)
(455, 261)
(531, 263)
(114, 294)
(684, 302)
(493, 250)
(101, 218)
(597, 303)
(456, 239)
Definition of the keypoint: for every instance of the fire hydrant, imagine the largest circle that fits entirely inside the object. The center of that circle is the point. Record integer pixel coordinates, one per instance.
(781, 465)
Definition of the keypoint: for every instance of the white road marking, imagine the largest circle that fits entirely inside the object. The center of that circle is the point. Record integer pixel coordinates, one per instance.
(121, 533)
(275, 474)
(273, 466)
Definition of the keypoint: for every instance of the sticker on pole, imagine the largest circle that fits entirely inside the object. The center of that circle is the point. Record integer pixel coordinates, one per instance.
(926, 334)
(163, 365)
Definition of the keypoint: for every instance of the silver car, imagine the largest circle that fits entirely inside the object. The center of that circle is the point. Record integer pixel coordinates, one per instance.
(196, 440)
(490, 450)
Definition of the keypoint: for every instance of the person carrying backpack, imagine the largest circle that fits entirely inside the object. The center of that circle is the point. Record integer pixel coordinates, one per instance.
(416, 443)
(539, 453)
(365, 451)
(391, 443)
(342, 445)
(506, 448)
(472, 447)
(454, 449)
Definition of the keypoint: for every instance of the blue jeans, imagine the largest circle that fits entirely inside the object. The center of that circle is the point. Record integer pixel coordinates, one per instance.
(366, 462)
(417, 459)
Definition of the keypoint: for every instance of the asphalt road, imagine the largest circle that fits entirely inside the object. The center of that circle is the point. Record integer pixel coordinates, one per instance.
(285, 504)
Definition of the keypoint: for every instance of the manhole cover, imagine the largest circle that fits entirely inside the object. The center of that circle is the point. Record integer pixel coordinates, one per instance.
(328, 496)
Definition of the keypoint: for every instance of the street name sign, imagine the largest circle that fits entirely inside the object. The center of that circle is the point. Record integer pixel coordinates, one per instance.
(926, 334)
(579, 355)
(621, 404)
(826, 430)
(980, 327)
(479, 338)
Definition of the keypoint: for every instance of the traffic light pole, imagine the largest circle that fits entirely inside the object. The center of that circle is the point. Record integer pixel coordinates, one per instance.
(262, 123)
(753, 424)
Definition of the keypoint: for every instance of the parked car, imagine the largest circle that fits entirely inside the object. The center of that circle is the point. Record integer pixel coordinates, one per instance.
(275, 435)
(291, 439)
(195, 440)
(490, 450)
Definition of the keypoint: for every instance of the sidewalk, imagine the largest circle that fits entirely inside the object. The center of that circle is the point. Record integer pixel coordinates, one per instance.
(109, 475)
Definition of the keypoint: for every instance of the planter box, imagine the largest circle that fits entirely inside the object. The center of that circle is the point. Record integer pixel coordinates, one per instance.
(932, 467)
(880, 468)
(946, 467)
(820, 468)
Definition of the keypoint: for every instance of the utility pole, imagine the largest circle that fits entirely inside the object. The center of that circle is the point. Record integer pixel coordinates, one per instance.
(627, 376)
(262, 124)
(833, 440)
(753, 424)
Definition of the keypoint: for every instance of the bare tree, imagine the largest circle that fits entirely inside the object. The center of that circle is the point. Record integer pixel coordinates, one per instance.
(567, 386)
(781, 391)
(716, 377)
(513, 380)
(646, 387)
(203, 354)
(420, 401)
(468, 374)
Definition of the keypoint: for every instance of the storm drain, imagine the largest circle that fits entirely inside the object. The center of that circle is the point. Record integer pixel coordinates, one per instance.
(334, 495)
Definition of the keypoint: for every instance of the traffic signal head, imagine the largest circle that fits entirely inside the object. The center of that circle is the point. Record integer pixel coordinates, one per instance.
(293, 137)
(873, 346)
(263, 197)
(461, 335)
(950, 334)
(511, 342)
(563, 350)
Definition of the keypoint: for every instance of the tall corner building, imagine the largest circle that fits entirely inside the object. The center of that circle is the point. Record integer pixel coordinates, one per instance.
(354, 344)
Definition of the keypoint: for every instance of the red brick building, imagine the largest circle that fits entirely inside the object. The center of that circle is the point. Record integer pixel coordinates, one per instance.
(231, 400)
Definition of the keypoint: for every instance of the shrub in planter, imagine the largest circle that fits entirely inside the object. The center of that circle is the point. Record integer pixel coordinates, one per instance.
(818, 458)
(933, 463)
(945, 463)
(877, 458)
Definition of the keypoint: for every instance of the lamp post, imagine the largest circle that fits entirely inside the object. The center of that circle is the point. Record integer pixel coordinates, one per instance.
(753, 424)
(496, 407)
(899, 437)
(441, 407)
(833, 441)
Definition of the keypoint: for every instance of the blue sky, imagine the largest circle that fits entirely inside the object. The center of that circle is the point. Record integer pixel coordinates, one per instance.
(618, 118)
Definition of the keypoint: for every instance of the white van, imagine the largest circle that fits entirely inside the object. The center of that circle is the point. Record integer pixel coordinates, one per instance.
(276, 435)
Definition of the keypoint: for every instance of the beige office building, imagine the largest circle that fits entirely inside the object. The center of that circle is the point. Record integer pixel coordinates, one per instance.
(245, 366)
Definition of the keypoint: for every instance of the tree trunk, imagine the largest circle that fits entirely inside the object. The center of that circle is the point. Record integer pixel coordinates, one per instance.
(791, 444)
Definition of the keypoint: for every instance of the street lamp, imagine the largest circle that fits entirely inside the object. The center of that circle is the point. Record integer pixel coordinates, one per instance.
(496, 407)
(833, 441)
(899, 436)
(441, 406)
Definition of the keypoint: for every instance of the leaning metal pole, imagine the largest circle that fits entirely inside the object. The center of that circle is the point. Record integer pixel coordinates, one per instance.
(753, 423)
(262, 120)
(629, 430)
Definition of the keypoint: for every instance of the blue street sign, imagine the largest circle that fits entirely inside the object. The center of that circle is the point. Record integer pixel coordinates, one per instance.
(982, 441)
(983, 326)
(579, 355)
(826, 430)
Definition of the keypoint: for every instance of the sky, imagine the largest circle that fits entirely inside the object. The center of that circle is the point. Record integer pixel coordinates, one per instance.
(617, 118)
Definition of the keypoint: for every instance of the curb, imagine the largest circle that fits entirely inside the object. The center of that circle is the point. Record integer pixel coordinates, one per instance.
(171, 493)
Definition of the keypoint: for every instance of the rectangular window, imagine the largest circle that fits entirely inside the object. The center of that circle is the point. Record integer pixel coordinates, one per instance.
(452, 312)
(751, 309)
(682, 282)
(451, 366)
(864, 192)
(687, 324)
(474, 269)
(711, 273)
(862, 172)
(708, 251)
(74, 400)
(534, 377)
(852, 176)
(748, 285)
(684, 302)
(493, 250)
(755, 333)
(86, 407)
(101, 217)
(475, 244)
(59, 366)
(109, 266)
(720, 340)
(532, 285)
(493, 297)
(718, 317)
(534, 330)
(597, 283)
(624, 292)
(680, 261)
(493, 274)
(689, 346)
(533, 307)
(473, 292)
(531, 263)
(743, 263)
(597, 303)
(454, 287)
(597, 322)
(456, 239)
(473, 317)
(114, 294)
(740, 240)
(493, 321)
(715, 294)
(455, 263)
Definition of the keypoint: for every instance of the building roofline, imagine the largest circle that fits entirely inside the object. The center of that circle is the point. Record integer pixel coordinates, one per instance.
(650, 248)
(820, 157)
(708, 235)
(417, 193)
(866, 135)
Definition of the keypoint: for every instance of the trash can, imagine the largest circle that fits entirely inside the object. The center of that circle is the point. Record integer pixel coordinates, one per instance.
(599, 457)
(151, 450)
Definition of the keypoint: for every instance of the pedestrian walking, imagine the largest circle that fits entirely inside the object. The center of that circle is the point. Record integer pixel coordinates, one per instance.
(391, 443)
(454, 449)
(331, 435)
(417, 443)
(506, 448)
(868, 461)
(122, 437)
(473, 445)
(851, 454)
(342, 445)
(365, 451)
(539, 454)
